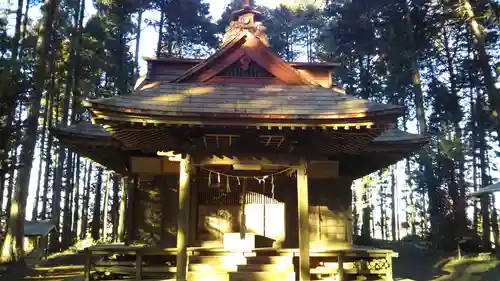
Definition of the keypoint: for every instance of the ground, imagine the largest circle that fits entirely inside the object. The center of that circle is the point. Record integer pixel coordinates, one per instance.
(419, 264)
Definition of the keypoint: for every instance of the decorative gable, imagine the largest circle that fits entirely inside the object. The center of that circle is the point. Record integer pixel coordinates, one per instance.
(245, 67)
(245, 57)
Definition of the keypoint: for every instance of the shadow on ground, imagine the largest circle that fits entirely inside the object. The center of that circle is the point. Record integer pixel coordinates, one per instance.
(416, 264)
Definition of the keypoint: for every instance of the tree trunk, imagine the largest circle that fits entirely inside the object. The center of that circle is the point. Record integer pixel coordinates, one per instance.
(9, 87)
(160, 33)
(123, 206)
(138, 41)
(96, 218)
(365, 226)
(48, 151)
(34, 213)
(425, 160)
(85, 203)
(115, 207)
(456, 181)
(484, 62)
(12, 248)
(494, 222)
(485, 181)
(76, 184)
(105, 212)
(13, 163)
(66, 229)
(393, 203)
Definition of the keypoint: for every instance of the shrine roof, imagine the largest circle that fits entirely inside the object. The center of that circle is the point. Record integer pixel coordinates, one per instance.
(243, 101)
(388, 148)
(87, 130)
(94, 142)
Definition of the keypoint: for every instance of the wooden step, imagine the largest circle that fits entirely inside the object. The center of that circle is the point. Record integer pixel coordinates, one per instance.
(266, 267)
(218, 260)
(208, 276)
(261, 276)
(130, 269)
(270, 259)
(52, 276)
(273, 252)
(196, 267)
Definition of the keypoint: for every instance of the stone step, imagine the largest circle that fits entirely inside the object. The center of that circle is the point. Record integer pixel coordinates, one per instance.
(270, 260)
(261, 276)
(266, 267)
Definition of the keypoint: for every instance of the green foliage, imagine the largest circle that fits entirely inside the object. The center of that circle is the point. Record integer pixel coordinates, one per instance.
(186, 28)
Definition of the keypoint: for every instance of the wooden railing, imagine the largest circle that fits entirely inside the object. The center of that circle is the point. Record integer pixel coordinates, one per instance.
(133, 265)
(344, 264)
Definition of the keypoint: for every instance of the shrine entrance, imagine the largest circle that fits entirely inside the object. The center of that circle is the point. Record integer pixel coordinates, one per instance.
(225, 200)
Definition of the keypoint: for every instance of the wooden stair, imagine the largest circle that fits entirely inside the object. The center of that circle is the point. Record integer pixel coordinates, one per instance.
(214, 266)
(268, 265)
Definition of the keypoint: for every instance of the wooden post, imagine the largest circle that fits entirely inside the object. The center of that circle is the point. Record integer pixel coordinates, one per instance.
(388, 274)
(243, 198)
(303, 206)
(138, 265)
(183, 218)
(88, 263)
(340, 262)
(131, 208)
(193, 208)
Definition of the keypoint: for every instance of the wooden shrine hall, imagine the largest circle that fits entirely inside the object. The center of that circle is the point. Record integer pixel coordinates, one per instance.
(242, 155)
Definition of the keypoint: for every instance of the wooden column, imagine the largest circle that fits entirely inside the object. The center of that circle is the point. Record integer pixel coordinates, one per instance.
(193, 208)
(303, 206)
(131, 209)
(243, 198)
(183, 218)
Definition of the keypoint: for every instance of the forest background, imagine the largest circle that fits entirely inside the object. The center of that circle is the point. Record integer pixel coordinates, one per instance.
(439, 58)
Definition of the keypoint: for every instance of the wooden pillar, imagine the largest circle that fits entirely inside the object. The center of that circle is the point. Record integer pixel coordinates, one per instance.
(388, 274)
(88, 264)
(131, 209)
(193, 209)
(340, 262)
(303, 206)
(243, 198)
(183, 218)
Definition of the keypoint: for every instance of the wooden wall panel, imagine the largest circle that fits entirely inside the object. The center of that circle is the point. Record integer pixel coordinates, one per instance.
(157, 206)
(330, 213)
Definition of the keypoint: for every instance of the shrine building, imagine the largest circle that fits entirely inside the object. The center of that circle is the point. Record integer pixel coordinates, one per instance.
(245, 154)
